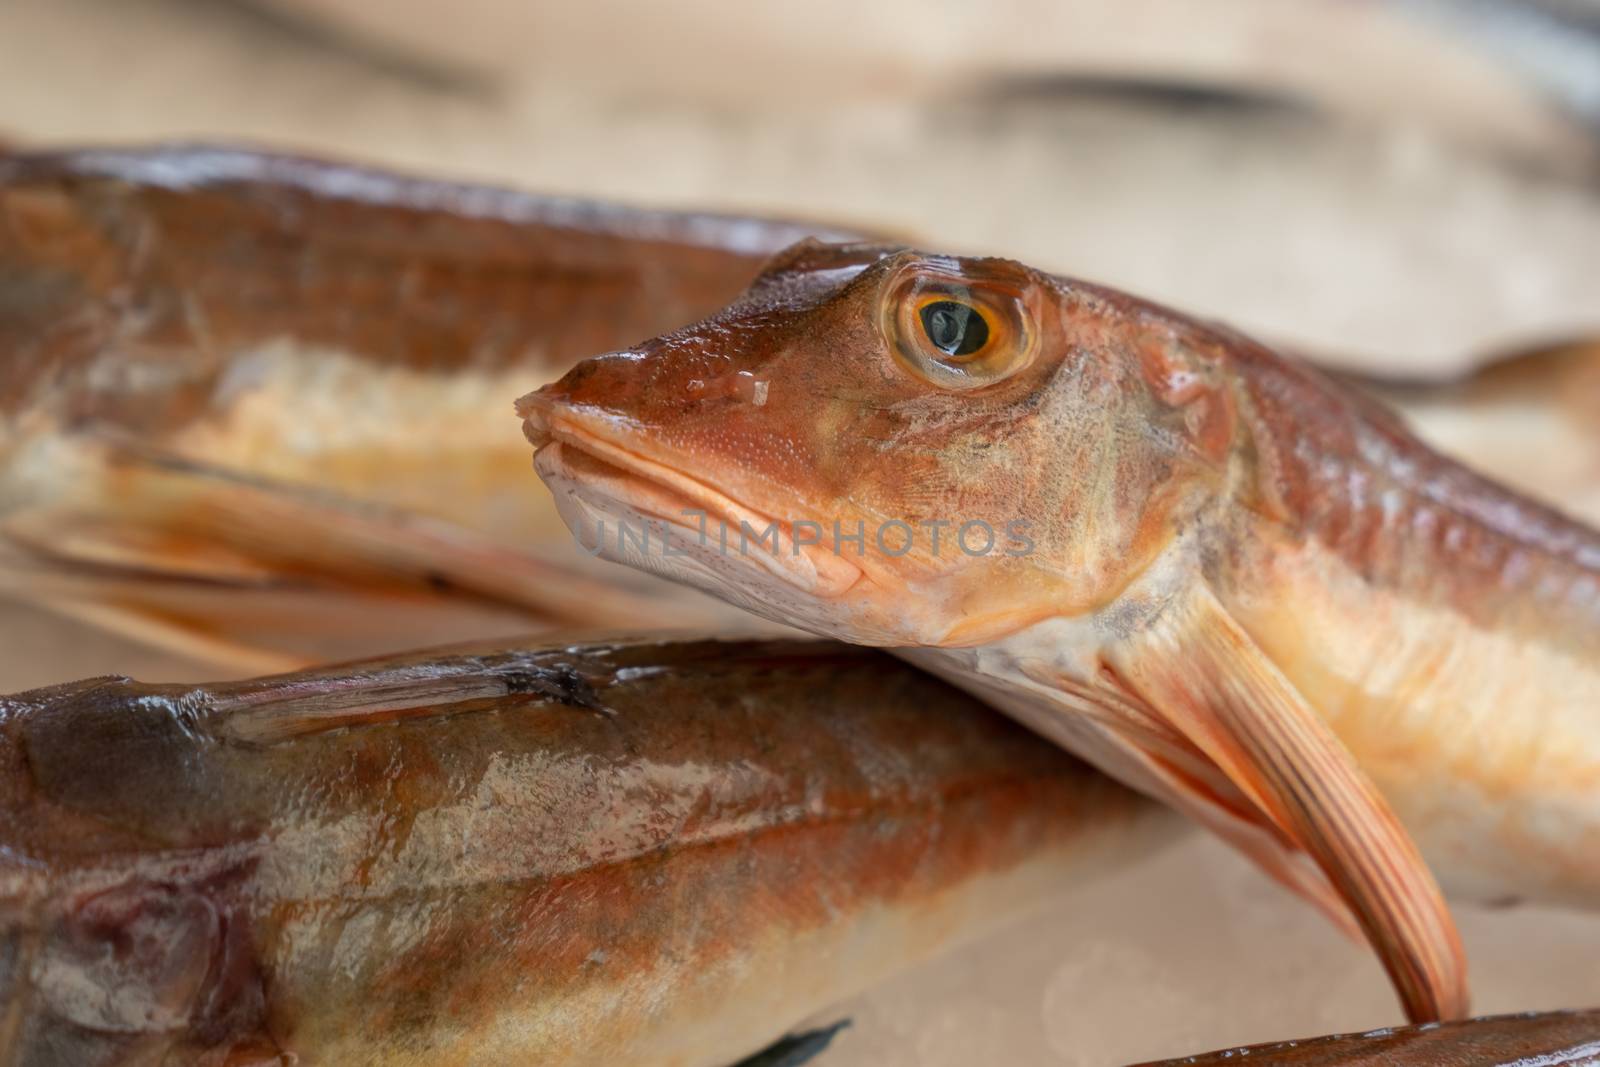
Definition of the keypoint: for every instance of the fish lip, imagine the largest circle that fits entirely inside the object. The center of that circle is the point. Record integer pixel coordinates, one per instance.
(535, 410)
(647, 483)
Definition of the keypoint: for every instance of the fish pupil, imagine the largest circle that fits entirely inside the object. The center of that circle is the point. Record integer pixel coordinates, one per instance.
(955, 329)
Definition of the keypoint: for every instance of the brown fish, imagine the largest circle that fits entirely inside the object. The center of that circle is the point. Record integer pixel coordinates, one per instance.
(216, 367)
(1533, 1039)
(1217, 575)
(631, 852)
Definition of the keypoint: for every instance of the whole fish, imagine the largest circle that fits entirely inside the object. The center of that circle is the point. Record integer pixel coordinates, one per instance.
(1533, 1039)
(1219, 576)
(248, 404)
(625, 852)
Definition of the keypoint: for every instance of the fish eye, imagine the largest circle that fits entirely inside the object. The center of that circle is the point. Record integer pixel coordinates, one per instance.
(959, 331)
(954, 328)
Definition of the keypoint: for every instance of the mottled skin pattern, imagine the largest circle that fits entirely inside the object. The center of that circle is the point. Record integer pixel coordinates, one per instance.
(214, 365)
(1549, 1039)
(1249, 590)
(607, 853)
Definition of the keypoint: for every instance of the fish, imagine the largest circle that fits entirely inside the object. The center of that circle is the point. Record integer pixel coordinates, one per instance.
(607, 850)
(1549, 1039)
(218, 364)
(1210, 570)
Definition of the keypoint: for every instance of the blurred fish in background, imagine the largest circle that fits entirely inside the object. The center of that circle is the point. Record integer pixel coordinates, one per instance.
(1406, 186)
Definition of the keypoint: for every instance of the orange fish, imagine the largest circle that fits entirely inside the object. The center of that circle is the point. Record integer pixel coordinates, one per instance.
(1218, 575)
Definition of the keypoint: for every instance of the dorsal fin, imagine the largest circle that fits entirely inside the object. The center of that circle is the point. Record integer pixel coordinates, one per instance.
(276, 709)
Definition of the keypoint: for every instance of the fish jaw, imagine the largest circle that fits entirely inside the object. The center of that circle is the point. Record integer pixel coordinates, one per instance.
(631, 508)
(629, 498)
(630, 520)
(626, 507)
(583, 457)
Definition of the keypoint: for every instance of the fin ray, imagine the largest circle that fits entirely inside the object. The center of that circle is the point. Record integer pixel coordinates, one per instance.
(184, 556)
(1205, 677)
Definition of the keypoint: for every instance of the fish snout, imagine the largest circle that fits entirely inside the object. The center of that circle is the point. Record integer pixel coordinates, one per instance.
(598, 384)
(670, 383)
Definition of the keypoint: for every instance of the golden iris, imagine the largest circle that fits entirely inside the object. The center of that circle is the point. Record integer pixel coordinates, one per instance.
(958, 330)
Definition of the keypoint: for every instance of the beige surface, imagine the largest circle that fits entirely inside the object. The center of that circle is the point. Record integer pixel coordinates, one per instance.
(1187, 951)
(1371, 241)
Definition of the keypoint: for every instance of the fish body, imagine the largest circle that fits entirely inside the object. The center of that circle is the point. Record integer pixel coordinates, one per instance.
(1527, 420)
(610, 853)
(1549, 1039)
(214, 364)
(1214, 573)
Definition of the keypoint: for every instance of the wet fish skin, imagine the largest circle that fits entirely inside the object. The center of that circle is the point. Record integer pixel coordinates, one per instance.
(202, 348)
(1243, 588)
(1549, 1039)
(602, 852)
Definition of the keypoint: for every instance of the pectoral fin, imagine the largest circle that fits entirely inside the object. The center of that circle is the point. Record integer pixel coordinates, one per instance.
(1201, 674)
(1123, 736)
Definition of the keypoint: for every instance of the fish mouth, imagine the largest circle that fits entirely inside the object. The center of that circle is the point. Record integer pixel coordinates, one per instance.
(581, 450)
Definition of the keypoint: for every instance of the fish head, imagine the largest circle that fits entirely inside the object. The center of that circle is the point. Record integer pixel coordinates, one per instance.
(944, 449)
